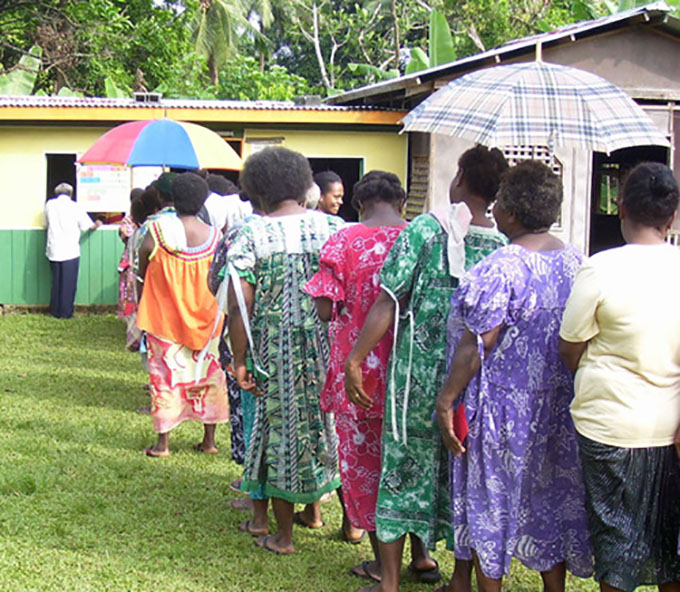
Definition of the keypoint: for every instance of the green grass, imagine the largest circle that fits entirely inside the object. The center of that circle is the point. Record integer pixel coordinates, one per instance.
(81, 507)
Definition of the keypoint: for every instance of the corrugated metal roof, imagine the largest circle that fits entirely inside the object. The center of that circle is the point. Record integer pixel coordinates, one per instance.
(101, 102)
(658, 10)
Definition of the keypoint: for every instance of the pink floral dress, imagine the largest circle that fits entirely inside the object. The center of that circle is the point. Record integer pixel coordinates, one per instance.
(349, 275)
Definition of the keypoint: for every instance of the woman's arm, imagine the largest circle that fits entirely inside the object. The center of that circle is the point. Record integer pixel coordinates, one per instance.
(571, 353)
(466, 363)
(378, 322)
(324, 308)
(145, 250)
(238, 336)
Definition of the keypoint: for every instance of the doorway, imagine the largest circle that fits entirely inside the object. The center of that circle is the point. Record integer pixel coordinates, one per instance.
(609, 175)
(61, 168)
(350, 171)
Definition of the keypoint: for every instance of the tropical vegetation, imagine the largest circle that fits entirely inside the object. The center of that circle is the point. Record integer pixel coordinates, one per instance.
(255, 49)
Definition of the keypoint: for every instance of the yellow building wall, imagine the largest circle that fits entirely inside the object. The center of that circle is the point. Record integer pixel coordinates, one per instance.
(23, 167)
(387, 151)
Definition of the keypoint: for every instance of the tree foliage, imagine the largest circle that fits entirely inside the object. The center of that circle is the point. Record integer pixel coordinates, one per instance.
(257, 48)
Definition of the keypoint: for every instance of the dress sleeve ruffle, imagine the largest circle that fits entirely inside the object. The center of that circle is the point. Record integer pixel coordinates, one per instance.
(484, 297)
(330, 280)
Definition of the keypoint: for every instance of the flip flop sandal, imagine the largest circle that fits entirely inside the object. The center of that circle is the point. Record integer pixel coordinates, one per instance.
(236, 485)
(298, 519)
(266, 547)
(199, 448)
(153, 454)
(361, 571)
(426, 576)
(245, 527)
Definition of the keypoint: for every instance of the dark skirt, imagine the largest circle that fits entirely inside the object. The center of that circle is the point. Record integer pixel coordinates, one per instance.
(238, 446)
(633, 503)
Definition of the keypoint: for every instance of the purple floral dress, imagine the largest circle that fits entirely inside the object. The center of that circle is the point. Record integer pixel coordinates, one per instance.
(518, 490)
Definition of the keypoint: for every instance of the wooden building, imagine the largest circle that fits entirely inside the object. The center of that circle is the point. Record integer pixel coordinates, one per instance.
(636, 50)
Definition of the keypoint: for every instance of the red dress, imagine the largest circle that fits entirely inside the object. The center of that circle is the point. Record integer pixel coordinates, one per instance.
(349, 275)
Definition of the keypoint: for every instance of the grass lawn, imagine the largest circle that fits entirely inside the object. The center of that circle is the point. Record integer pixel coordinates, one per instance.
(82, 508)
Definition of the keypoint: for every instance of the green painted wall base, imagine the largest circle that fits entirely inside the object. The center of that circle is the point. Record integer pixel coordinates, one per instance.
(26, 279)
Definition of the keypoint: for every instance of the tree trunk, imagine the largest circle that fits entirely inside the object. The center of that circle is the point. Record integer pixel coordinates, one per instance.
(317, 49)
(397, 41)
(214, 74)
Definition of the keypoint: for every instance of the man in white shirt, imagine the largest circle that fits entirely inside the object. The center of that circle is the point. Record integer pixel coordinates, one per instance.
(65, 222)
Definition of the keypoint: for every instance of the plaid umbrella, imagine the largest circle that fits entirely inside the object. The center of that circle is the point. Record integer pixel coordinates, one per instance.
(536, 104)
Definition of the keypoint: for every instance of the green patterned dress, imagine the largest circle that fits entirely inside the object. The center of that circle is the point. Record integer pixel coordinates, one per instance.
(292, 452)
(414, 486)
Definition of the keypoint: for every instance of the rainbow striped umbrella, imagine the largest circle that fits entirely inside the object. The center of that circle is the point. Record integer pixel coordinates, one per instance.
(163, 142)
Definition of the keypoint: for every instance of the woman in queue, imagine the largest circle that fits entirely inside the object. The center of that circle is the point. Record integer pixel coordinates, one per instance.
(344, 289)
(279, 344)
(621, 335)
(419, 275)
(517, 490)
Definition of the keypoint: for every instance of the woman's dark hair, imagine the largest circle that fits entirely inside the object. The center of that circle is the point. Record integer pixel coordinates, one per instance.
(650, 194)
(377, 186)
(254, 202)
(482, 170)
(136, 193)
(151, 200)
(274, 175)
(188, 193)
(325, 179)
(532, 192)
(138, 212)
(221, 185)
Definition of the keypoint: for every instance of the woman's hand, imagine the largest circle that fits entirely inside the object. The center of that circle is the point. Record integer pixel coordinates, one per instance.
(354, 387)
(676, 441)
(245, 379)
(445, 422)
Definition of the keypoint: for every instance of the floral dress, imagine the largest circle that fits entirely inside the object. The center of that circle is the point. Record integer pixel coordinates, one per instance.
(413, 495)
(292, 451)
(518, 491)
(349, 276)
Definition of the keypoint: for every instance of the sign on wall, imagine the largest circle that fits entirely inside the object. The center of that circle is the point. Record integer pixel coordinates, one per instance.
(103, 187)
(106, 188)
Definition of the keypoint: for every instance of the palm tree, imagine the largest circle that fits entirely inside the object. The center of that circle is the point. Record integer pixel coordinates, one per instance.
(215, 28)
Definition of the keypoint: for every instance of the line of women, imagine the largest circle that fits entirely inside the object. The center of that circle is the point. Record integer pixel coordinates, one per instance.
(440, 401)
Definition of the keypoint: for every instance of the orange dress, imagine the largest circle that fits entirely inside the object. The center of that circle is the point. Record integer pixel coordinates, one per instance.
(183, 326)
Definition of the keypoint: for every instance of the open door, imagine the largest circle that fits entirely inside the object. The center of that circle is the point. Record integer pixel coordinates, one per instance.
(609, 175)
(350, 171)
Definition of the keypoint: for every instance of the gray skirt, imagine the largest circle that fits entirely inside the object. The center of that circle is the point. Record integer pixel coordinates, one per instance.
(633, 504)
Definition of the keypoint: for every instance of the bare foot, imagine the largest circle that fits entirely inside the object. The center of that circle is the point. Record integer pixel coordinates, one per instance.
(302, 519)
(351, 534)
(271, 543)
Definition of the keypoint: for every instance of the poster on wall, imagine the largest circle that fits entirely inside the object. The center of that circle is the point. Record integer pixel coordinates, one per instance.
(103, 187)
(142, 176)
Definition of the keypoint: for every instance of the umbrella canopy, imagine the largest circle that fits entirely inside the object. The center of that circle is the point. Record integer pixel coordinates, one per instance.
(536, 104)
(163, 142)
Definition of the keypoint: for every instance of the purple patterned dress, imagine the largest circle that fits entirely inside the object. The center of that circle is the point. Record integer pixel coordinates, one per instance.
(518, 490)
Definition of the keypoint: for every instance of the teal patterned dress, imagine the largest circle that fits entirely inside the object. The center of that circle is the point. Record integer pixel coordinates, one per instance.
(292, 451)
(413, 495)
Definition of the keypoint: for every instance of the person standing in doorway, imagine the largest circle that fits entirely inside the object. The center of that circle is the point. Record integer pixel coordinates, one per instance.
(332, 192)
(66, 220)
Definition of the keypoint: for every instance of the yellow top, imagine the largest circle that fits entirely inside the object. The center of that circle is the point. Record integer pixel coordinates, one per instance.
(626, 304)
